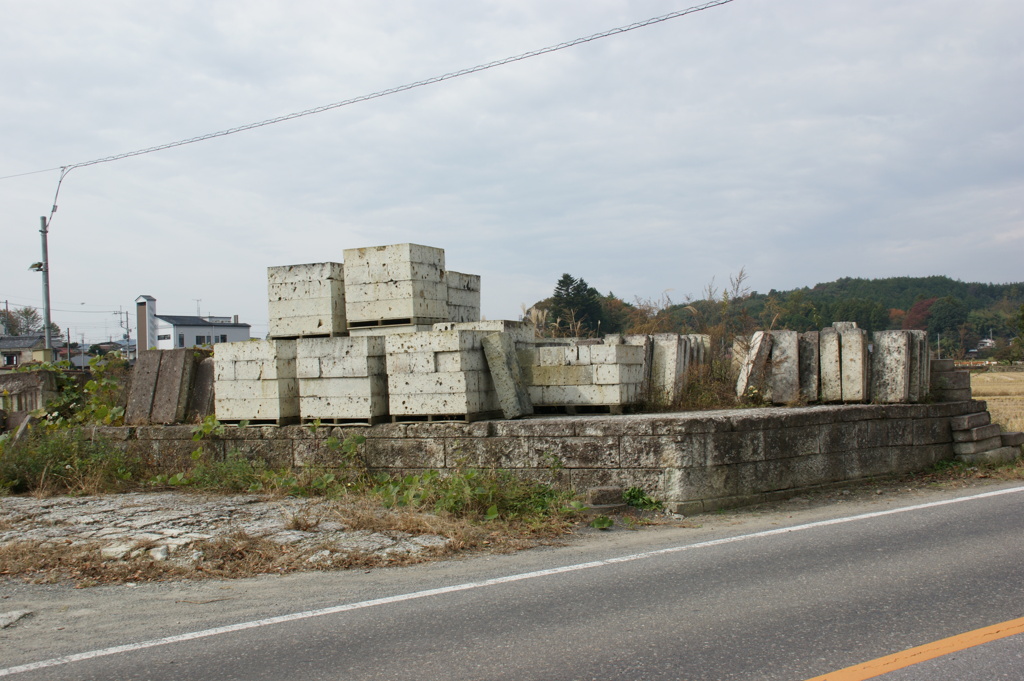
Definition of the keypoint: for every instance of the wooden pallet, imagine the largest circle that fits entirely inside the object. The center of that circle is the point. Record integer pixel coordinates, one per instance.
(579, 409)
(284, 421)
(446, 418)
(398, 321)
(371, 421)
(339, 334)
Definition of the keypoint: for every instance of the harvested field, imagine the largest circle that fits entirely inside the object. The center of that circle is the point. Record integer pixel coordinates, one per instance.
(1004, 393)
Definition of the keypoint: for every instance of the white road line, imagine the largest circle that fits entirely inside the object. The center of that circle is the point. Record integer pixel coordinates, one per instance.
(217, 631)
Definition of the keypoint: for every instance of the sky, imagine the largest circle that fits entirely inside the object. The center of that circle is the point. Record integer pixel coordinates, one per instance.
(796, 140)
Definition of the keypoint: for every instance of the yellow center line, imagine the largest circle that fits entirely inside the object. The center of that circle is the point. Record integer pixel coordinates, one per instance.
(929, 651)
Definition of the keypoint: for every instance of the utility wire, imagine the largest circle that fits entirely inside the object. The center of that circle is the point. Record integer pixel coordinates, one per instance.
(376, 95)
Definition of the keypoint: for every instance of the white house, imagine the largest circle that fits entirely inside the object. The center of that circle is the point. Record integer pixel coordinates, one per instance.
(166, 332)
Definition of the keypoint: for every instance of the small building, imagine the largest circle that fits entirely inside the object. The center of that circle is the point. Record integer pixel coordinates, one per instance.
(18, 350)
(166, 332)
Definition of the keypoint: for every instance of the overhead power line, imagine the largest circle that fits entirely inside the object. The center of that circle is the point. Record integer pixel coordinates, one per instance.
(383, 93)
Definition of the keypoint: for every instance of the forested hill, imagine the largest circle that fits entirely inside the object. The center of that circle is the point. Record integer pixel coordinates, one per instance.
(902, 292)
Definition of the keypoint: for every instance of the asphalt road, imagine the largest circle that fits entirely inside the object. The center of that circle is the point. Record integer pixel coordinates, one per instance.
(783, 596)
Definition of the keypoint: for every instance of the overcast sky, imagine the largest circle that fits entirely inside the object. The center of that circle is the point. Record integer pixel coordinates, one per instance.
(801, 140)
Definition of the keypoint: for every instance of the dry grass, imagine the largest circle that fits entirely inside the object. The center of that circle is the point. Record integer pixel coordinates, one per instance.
(1004, 393)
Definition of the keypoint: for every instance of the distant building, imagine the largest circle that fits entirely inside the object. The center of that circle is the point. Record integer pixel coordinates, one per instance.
(166, 332)
(18, 350)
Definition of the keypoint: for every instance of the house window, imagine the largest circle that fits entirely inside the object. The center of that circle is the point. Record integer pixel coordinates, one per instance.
(223, 338)
(181, 340)
(10, 360)
(165, 336)
(202, 340)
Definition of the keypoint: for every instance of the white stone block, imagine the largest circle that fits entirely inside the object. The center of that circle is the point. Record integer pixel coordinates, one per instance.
(394, 254)
(422, 362)
(855, 364)
(753, 357)
(439, 383)
(555, 356)
(290, 274)
(390, 330)
(443, 403)
(254, 349)
(457, 313)
(617, 354)
(366, 387)
(302, 290)
(784, 379)
(562, 375)
(890, 367)
(229, 409)
(396, 290)
(466, 282)
(462, 360)
(407, 308)
(615, 374)
(348, 407)
(463, 297)
(830, 367)
(436, 341)
(506, 375)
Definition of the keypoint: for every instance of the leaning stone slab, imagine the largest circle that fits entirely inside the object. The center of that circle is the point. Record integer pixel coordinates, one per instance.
(968, 421)
(855, 363)
(503, 364)
(810, 381)
(784, 381)
(831, 372)
(890, 369)
(976, 434)
(143, 387)
(977, 447)
(754, 364)
(174, 381)
(920, 372)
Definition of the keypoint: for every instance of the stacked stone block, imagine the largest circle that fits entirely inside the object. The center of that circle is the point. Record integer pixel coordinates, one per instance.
(583, 374)
(306, 300)
(402, 284)
(949, 385)
(463, 296)
(442, 374)
(977, 440)
(342, 380)
(256, 381)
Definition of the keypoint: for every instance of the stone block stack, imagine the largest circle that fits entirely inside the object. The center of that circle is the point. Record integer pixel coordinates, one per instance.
(306, 300)
(977, 440)
(256, 381)
(401, 286)
(948, 384)
(342, 380)
(439, 375)
(583, 376)
(463, 296)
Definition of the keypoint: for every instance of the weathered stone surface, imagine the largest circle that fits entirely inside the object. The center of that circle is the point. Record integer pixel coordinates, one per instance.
(920, 369)
(999, 455)
(1012, 439)
(890, 368)
(507, 376)
(143, 387)
(170, 399)
(951, 380)
(753, 363)
(977, 434)
(962, 395)
(809, 367)
(784, 381)
(831, 373)
(941, 365)
(855, 364)
(967, 421)
(977, 447)
(201, 397)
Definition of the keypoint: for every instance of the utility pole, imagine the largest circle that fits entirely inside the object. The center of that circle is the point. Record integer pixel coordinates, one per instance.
(45, 269)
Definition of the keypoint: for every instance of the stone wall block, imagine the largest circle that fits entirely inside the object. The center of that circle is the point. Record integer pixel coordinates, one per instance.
(784, 443)
(735, 447)
(784, 378)
(855, 365)
(890, 369)
(932, 431)
(582, 479)
(403, 453)
(580, 452)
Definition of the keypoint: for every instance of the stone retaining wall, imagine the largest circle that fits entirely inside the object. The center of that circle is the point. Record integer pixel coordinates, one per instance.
(694, 461)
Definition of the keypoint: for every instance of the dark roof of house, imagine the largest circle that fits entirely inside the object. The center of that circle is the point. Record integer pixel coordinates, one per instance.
(21, 342)
(187, 320)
